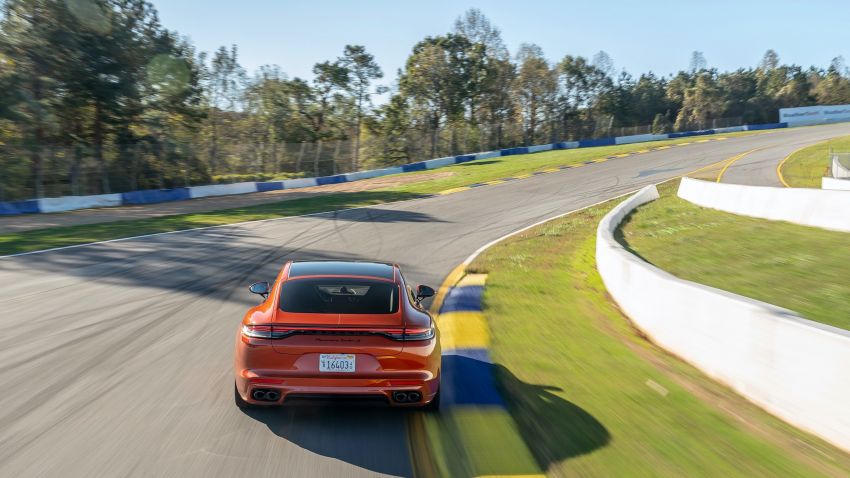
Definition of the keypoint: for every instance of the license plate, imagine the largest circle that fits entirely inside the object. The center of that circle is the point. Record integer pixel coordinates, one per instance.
(336, 363)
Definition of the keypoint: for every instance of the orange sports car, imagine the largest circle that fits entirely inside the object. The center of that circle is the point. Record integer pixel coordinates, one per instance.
(328, 329)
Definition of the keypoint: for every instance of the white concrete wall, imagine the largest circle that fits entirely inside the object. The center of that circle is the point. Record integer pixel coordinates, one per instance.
(639, 138)
(540, 147)
(439, 162)
(794, 368)
(222, 190)
(836, 185)
(299, 183)
(809, 207)
(838, 169)
(70, 203)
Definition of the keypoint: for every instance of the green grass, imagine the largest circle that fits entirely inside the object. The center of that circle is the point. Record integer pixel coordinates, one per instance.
(805, 167)
(797, 267)
(462, 175)
(593, 398)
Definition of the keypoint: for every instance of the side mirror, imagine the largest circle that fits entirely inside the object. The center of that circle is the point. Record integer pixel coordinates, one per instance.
(260, 288)
(423, 292)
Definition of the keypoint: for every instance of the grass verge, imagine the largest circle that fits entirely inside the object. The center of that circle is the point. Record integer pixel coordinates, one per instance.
(805, 167)
(797, 267)
(592, 397)
(464, 175)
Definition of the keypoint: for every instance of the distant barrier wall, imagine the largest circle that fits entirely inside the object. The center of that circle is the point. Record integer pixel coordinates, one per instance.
(808, 115)
(792, 367)
(69, 203)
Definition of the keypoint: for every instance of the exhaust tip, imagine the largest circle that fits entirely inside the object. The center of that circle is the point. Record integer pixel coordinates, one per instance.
(400, 397)
(413, 397)
(265, 395)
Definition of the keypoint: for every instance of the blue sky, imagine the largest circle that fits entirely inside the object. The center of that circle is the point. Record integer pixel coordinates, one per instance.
(655, 35)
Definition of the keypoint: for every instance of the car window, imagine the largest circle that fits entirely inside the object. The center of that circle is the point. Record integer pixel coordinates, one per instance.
(339, 296)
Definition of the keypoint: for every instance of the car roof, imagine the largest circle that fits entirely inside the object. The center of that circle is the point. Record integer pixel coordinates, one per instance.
(379, 270)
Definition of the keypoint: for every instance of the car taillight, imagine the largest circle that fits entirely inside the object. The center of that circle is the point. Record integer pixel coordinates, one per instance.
(413, 333)
(278, 332)
(264, 332)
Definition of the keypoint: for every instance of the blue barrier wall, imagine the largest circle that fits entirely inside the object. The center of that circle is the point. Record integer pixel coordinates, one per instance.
(590, 143)
(409, 168)
(269, 186)
(155, 196)
(339, 178)
(11, 208)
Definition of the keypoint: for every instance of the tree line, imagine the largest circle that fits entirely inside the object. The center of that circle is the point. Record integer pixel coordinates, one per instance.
(97, 96)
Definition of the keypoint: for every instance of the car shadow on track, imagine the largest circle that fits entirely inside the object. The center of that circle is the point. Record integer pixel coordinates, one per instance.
(555, 429)
(375, 214)
(370, 437)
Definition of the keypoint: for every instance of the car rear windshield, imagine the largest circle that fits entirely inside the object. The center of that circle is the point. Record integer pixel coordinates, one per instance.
(339, 296)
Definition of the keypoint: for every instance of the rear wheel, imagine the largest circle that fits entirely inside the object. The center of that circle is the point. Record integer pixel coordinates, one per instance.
(240, 402)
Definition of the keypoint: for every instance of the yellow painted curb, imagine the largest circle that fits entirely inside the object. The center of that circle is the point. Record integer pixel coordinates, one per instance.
(782, 163)
(451, 279)
(453, 190)
(473, 280)
(463, 330)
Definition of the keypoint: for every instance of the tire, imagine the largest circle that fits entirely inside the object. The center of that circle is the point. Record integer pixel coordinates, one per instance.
(240, 402)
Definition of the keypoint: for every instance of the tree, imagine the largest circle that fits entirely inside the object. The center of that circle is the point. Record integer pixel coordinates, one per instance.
(439, 77)
(535, 87)
(702, 101)
(603, 62)
(362, 69)
(770, 60)
(477, 28)
(29, 32)
(223, 81)
(698, 62)
(581, 84)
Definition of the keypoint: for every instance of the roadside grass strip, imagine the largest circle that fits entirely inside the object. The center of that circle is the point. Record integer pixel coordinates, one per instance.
(474, 435)
(805, 167)
(590, 395)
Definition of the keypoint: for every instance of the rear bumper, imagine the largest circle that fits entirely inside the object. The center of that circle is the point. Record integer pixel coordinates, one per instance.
(415, 369)
(298, 389)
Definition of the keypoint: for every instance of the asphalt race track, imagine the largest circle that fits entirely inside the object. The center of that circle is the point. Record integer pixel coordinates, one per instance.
(116, 358)
(758, 168)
